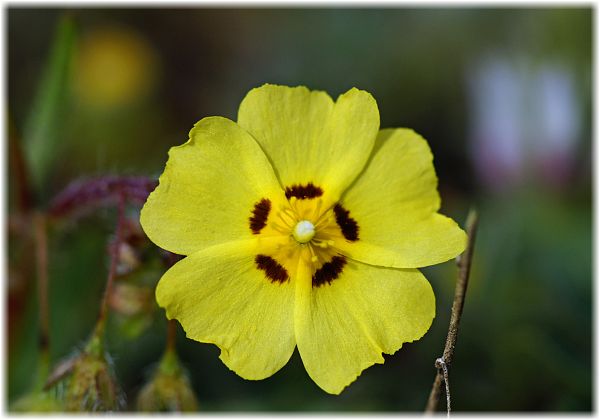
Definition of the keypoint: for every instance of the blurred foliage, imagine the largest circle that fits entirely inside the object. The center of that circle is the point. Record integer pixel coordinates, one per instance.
(42, 131)
(140, 78)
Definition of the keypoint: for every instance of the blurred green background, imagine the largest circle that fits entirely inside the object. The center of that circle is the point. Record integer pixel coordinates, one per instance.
(502, 95)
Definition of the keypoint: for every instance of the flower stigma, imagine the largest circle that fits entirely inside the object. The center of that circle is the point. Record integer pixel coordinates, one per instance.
(304, 231)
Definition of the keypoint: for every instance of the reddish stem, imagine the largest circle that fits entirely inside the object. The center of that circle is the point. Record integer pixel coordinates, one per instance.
(114, 258)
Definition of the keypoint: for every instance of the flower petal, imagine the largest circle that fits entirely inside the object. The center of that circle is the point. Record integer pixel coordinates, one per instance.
(220, 296)
(343, 327)
(395, 203)
(209, 188)
(308, 138)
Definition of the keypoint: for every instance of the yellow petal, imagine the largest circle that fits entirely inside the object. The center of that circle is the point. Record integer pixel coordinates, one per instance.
(219, 296)
(209, 188)
(395, 203)
(343, 328)
(308, 138)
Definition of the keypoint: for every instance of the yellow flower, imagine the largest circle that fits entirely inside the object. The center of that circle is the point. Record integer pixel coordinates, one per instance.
(303, 224)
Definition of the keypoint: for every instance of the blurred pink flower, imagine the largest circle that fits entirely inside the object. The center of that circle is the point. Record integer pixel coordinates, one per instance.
(525, 120)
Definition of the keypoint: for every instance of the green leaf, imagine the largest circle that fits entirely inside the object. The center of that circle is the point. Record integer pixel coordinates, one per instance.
(46, 116)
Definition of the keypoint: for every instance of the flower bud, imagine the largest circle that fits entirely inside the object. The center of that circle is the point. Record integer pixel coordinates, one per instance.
(169, 389)
(93, 386)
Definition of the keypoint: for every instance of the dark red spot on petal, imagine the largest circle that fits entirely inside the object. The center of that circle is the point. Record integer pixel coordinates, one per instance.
(329, 271)
(273, 270)
(346, 223)
(303, 191)
(260, 213)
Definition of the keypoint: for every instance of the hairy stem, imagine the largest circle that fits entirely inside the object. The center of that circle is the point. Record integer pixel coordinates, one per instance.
(114, 259)
(442, 364)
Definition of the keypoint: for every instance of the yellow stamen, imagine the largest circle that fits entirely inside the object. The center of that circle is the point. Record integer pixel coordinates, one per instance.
(286, 217)
(279, 228)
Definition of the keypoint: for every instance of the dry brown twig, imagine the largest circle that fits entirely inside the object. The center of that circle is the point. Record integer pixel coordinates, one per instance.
(443, 363)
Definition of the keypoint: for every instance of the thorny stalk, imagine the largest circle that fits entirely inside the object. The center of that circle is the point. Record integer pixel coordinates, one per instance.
(444, 362)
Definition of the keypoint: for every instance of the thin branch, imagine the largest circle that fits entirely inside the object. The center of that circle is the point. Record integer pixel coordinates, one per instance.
(434, 396)
(443, 363)
(464, 269)
(440, 364)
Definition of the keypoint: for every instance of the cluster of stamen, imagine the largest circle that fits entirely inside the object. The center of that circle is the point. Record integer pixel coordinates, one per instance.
(302, 230)
(293, 220)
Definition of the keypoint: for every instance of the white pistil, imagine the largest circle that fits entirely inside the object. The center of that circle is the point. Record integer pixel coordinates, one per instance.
(304, 231)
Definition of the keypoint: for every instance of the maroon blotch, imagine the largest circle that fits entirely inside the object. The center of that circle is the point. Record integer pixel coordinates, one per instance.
(329, 271)
(273, 270)
(346, 223)
(260, 213)
(301, 192)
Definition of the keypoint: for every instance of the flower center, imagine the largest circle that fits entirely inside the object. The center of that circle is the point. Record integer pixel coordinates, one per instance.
(304, 231)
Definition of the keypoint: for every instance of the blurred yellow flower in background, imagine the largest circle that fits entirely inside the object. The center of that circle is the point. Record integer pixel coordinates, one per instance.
(115, 66)
(304, 225)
